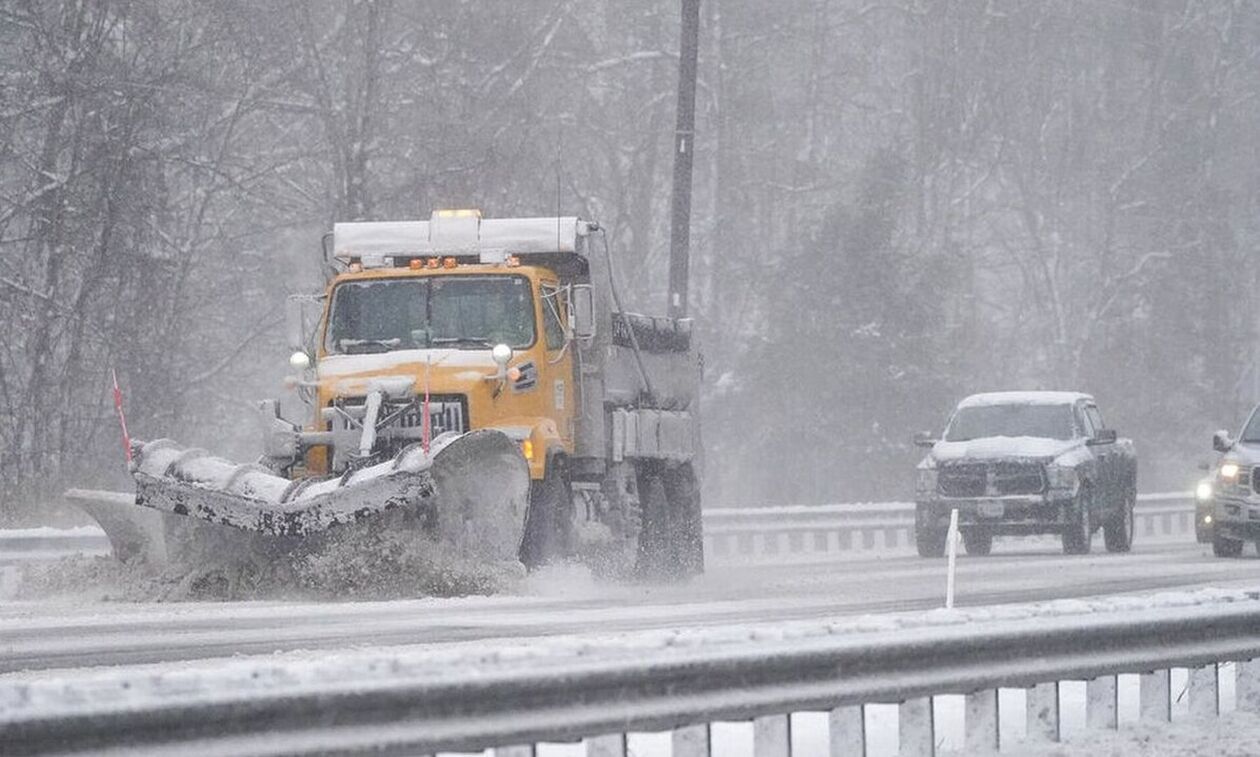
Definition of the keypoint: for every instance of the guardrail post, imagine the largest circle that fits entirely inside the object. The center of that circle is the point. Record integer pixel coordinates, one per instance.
(980, 723)
(847, 729)
(1043, 712)
(613, 745)
(691, 741)
(915, 729)
(514, 751)
(1100, 703)
(772, 736)
(1204, 693)
(1247, 688)
(1154, 695)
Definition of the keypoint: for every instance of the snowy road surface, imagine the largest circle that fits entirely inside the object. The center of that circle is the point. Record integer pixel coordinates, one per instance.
(69, 633)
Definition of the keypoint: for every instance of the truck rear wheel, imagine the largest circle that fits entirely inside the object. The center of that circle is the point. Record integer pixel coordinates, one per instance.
(1118, 532)
(549, 520)
(671, 546)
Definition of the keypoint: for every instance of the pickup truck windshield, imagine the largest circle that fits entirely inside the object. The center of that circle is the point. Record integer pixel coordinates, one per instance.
(1043, 421)
(1251, 434)
(459, 312)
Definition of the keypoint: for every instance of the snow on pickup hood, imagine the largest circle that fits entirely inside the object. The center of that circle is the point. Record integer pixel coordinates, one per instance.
(999, 447)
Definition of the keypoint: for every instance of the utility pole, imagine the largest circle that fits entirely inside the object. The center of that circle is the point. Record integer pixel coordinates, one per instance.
(684, 149)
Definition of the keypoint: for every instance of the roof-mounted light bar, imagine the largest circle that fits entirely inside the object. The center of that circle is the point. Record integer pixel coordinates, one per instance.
(457, 233)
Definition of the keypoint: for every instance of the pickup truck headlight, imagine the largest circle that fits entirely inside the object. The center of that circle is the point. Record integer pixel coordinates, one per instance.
(1203, 492)
(926, 483)
(1060, 477)
(1229, 471)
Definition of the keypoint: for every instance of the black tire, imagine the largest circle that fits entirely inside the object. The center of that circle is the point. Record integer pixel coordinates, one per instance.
(655, 557)
(1118, 531)
(682, 493)
(1223, 546)
(549, 520)
(979, 543)
(1078, 535)
(930, 542)
(671, 539)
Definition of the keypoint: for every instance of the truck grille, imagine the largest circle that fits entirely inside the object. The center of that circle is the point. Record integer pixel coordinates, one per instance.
(1255, 479)
(447, 412)
(990, 479)
(963, 480)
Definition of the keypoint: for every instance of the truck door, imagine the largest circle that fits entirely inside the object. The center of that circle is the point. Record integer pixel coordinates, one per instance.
(557, 375)
(1108, 458)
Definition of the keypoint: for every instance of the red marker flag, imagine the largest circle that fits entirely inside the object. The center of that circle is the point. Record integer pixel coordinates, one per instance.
(122, 419)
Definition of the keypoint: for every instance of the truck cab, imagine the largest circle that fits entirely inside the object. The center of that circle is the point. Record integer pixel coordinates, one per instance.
(1233, 497)
(1024, 463)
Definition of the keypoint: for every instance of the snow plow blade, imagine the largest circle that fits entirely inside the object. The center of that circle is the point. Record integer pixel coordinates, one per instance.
(468, 494)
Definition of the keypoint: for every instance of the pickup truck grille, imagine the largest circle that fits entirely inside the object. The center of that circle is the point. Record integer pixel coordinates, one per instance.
(990, 479)
(1255, 479)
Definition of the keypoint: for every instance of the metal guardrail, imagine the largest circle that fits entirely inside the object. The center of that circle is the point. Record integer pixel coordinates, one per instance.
(688, 689)
(754, 533)
(803, 531)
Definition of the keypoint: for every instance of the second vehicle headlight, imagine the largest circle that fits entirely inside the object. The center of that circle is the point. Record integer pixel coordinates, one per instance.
(1060, 477)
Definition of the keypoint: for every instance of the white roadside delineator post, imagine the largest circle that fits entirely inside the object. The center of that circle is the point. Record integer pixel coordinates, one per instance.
(951, 545)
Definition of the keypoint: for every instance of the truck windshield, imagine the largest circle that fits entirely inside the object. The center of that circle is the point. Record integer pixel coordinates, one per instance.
(1251, 434)
(460, 312)
(1044, 421)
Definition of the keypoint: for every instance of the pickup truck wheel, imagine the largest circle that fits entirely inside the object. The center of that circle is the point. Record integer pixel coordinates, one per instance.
(929, 541)
(1223, 546)
(1078, 535)
(1118, 532)
(978, 543)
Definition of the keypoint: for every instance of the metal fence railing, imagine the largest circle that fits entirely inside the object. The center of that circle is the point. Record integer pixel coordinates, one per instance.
(683, 688)
(803, 532)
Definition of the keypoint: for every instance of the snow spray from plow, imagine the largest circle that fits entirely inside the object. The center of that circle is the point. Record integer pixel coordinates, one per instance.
(468, 493)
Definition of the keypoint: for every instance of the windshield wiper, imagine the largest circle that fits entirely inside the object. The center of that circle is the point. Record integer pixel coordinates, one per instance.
(477, 340)
(345, 345)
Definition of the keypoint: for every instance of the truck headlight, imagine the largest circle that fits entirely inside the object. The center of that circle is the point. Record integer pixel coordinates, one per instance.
(1229, 471)
(1203, 492)
(926, 483)
(1060, 477)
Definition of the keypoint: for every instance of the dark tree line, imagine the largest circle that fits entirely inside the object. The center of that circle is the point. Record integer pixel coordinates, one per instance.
(897, 203)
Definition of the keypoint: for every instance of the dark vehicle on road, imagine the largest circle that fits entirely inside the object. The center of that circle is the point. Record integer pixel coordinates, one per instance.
(1023, 463)
(1236, 489)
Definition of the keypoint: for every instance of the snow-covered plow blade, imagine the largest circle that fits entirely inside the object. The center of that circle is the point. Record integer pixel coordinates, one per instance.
(468, 496)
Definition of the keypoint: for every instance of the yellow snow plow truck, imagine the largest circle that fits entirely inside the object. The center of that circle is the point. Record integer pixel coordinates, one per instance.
(471, 382)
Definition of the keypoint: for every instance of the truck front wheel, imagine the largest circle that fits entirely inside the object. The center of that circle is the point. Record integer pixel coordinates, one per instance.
(929, 541)
(1078, 533)
(978, 543)
(549, 520)
(1223, 546)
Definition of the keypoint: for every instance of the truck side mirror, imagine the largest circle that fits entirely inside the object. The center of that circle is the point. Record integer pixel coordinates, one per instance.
(1221, 441)
(1105, 436)
(924, 439)
(294, 328)
(582, 311)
